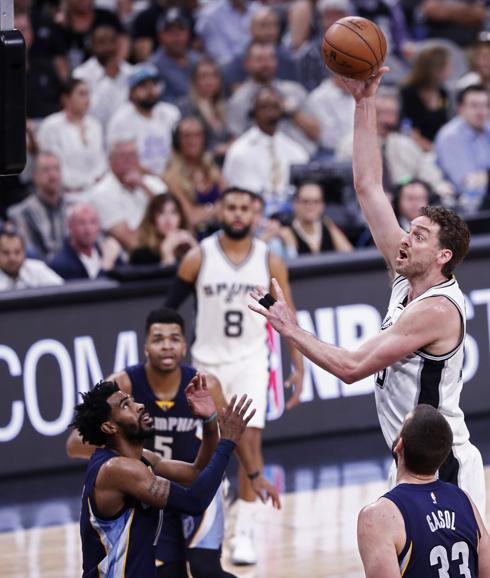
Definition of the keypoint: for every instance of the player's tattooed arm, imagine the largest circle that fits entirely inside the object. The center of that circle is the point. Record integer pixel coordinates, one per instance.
(159, 489)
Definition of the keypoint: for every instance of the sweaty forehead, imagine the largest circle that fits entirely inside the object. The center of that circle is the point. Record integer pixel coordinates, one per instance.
(426, 223)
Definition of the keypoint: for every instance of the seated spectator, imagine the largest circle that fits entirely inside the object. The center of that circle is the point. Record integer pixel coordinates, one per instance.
(163, 237)
(224, 28)
(174, 58)
(333, 106)
(261, 66)
(76, 19)
(121, 197)
(82, 256)
(425, 100)
(192, 175)
(481, 64)
(265, 29)
(76, 139)
(145, 120)
(313, 231)
(409, 197)
(105, 73)
(462, 147)
(17, 272)
(456, 20)
(206, 101)
(144, 32)
(41, 217)
(260, 160)
(311, 68)
(402, 157)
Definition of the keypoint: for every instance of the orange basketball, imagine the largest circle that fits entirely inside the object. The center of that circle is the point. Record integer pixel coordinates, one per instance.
(354, 47)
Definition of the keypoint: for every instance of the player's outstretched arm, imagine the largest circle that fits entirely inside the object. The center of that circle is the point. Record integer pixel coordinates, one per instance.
(380, 537)
(183, 284)
(421, 325)
(368, 171)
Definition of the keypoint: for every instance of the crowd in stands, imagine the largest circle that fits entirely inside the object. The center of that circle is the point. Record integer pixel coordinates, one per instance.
(141, 112)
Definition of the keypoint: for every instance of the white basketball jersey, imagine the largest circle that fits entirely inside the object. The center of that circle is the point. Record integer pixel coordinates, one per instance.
(226, 329)
(421, 377)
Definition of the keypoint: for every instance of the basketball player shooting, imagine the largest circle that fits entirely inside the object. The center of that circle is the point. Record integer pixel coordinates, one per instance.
(418, 355)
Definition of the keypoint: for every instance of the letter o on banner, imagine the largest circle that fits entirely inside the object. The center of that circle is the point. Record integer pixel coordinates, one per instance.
(34, 354)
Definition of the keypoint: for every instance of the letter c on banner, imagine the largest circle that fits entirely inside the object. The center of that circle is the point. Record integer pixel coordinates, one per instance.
(34, 354)
(12, 429)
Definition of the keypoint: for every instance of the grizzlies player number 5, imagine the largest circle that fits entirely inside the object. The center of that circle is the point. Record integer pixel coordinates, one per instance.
(163, 446)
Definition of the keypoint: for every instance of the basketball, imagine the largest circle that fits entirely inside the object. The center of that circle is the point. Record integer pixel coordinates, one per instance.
(354, 47)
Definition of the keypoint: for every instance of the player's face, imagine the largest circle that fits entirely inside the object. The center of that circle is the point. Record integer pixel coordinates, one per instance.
(165, 347)
(131, 418)
(237, 215)
(419, 249)
(12, 255)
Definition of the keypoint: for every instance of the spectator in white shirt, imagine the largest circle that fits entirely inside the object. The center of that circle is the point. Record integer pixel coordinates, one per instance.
(146, 120)
(120, 198)
(334, 107)
(17, 272)
(105, 73)
(76, 139)
(260, 160)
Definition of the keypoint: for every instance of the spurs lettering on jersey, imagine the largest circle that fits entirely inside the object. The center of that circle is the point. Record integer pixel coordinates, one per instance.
(226, 332)
(421, 377)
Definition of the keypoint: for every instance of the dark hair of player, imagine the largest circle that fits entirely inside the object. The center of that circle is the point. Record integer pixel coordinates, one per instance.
(453, 235)
(93, 412)
(164, 315)
(427, 440)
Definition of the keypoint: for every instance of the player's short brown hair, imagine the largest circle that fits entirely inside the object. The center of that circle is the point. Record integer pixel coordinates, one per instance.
(453, 235)
(427, 440)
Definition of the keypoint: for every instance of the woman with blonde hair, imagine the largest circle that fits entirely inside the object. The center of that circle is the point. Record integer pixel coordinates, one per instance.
(425, 102)
(193, 176)
(163, 236)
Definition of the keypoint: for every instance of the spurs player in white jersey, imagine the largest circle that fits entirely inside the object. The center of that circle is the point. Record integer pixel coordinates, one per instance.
(418, 355)
(230, 342)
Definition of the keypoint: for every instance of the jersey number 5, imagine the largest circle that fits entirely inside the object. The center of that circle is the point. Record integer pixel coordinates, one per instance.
(163, 446)
(233, 323)
(459, 553)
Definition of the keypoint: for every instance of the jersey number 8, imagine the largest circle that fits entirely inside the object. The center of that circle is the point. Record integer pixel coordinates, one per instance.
(233, 323)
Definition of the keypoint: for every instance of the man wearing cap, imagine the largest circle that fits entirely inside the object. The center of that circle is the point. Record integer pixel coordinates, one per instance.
(174, 58)
(145, 120)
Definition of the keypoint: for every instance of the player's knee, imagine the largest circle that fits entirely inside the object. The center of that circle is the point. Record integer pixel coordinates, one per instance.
(206, 563)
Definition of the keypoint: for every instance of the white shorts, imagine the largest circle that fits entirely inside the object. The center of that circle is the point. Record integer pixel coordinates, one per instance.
(250, 376)
(471, 474)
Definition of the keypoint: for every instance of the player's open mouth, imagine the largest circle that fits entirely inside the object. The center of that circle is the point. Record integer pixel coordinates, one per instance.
(402, 255)
(146, 418)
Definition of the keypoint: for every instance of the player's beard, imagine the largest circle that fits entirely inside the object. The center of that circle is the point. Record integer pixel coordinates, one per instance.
(236, 234)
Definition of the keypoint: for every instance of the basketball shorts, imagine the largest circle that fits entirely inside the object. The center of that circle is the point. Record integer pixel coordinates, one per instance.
(250, 376)
(181, 531)
(467, 471)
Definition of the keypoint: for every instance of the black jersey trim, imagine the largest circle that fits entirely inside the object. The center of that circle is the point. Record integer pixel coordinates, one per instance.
(398, 279)
(430, 379)
(449, 471)
(425, 354)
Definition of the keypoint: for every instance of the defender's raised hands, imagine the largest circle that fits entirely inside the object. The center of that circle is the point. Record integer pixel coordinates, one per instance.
(234, 419)
(199, 398)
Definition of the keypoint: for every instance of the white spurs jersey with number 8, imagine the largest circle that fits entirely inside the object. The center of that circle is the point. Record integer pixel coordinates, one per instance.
(226, 329)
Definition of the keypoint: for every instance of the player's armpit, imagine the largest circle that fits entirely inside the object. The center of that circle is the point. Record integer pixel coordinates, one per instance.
(380, 537)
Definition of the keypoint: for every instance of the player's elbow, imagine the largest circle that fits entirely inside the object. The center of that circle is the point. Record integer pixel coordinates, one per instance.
(351, 372)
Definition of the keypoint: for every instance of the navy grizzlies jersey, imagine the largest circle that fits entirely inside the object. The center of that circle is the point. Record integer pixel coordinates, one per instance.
(177, 432)
(442, 532)
(122, 545)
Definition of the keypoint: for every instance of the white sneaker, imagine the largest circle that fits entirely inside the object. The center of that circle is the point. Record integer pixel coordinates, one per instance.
(243, 550)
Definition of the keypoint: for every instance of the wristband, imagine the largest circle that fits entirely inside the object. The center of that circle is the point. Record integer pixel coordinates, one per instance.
(210, 418)
(253, 475)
